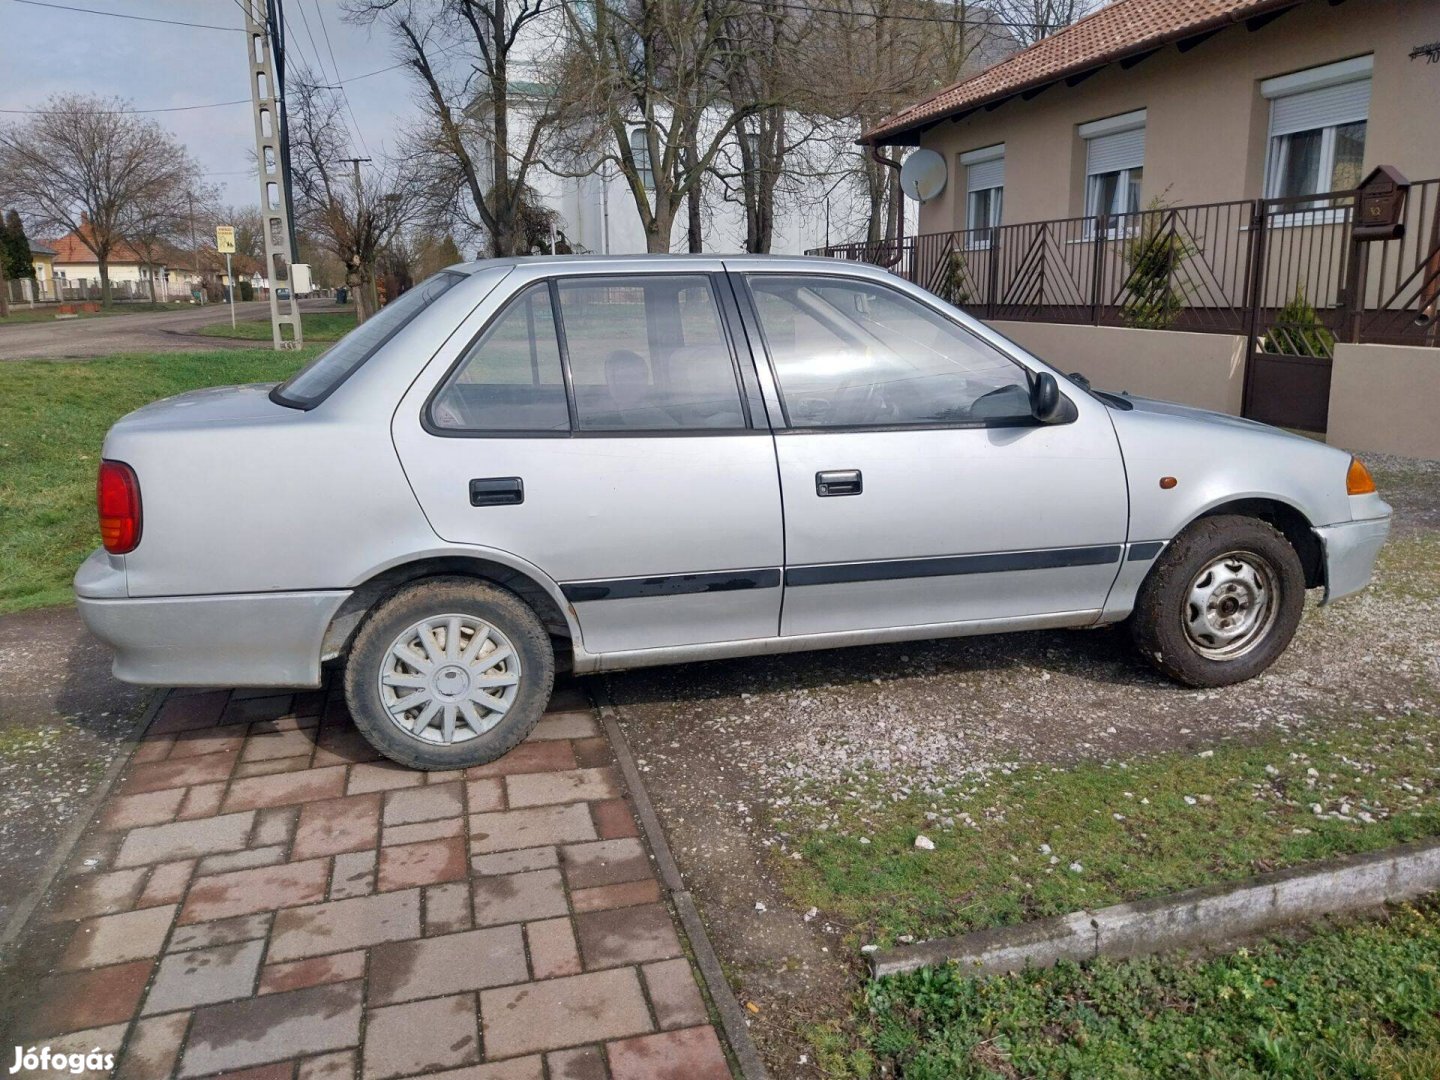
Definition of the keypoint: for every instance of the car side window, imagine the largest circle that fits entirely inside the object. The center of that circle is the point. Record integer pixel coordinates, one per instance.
(510, 378)
(852, 353)
(647, 353)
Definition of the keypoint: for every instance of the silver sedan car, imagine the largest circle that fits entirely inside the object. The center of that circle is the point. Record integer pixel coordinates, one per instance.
(603, 463)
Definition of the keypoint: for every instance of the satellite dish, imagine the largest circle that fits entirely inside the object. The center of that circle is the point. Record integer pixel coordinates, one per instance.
(922, 177)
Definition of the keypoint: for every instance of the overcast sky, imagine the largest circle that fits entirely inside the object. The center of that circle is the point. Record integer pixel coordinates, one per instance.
(45, 51)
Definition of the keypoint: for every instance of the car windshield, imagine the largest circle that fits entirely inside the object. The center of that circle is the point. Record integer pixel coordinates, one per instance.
(318, 379)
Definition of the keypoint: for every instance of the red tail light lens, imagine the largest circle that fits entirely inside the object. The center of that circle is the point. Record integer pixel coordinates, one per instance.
(117, 494)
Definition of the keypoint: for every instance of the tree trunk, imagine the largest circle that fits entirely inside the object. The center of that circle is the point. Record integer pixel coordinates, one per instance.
(694, 230)
(4, 292)
(152, 287)
(104, 263)
(362, 287)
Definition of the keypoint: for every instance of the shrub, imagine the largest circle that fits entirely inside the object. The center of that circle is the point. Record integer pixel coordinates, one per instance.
(247, 290)
(954, 280)
(1153, 257)
(1298, 331)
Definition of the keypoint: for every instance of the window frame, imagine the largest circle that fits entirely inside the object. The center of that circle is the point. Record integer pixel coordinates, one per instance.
(1312, 80)
(746, 387)
(743, 279)
(646, 173)
(985, 155)
(1090, 132)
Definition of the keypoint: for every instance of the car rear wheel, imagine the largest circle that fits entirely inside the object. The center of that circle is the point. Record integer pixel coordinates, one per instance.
(1221, 603)
(449, 673)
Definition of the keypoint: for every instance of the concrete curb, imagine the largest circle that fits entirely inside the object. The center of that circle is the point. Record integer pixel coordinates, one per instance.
(1208, 915)
(20, 917)
(732, 1018)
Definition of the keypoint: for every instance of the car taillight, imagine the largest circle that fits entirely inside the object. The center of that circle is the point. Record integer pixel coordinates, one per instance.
(117, 495)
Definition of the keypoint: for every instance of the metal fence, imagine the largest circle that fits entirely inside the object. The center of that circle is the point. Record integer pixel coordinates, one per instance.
(1283, 271)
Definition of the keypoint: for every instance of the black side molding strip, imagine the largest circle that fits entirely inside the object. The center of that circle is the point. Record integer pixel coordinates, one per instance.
(672, 585)
(952, 565)
(1147, 550)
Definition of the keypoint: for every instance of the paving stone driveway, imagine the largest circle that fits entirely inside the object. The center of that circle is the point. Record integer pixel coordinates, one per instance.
(261, 896)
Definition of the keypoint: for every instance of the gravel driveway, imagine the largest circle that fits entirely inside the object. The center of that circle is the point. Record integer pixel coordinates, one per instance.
(726, 746)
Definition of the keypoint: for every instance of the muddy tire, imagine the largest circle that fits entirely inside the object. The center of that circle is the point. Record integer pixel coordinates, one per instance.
(449, 673)
(1221, 603)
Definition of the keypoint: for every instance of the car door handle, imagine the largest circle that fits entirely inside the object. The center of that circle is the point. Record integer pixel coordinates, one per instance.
(839, 482)
(497, 491)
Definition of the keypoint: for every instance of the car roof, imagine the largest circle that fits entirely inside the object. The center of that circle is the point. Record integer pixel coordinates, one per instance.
(675, 262)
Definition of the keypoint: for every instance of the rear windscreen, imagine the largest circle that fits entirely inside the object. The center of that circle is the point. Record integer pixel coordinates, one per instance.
(318, 379)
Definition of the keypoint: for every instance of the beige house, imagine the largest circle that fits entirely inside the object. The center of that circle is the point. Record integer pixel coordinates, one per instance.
(1190, 101)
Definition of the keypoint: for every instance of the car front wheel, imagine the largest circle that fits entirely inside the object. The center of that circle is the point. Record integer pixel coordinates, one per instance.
(449, 673)
(1221, 603)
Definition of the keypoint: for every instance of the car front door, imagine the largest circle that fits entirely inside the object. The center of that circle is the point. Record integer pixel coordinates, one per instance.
(599, 427)
(918, 489)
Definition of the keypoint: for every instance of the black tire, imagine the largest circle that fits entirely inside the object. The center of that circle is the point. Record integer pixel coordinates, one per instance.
(436, 597)
(1171, 633)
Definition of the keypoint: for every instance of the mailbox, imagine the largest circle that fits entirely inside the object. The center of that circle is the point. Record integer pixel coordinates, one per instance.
(1380, 205)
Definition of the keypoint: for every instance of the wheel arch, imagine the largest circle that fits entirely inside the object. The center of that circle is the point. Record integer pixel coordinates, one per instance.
(527, 582)
(1288, 519)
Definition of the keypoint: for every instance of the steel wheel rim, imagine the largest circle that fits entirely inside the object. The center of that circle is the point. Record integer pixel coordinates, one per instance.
(449, 678)
(1231, 605)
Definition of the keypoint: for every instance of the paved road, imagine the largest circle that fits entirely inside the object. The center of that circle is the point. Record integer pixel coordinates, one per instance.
(158, 331)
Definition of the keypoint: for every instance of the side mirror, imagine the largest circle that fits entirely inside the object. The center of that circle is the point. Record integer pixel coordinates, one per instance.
(1046, 404)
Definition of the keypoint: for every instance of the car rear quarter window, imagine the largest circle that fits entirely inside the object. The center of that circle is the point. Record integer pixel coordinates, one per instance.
(510, 378)
(318, 379)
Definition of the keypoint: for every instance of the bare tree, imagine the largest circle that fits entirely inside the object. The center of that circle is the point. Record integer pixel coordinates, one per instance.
(644, 86)
(464, 54)
(81, 164)
(1031, 20)
(355, 214)
(157, 221)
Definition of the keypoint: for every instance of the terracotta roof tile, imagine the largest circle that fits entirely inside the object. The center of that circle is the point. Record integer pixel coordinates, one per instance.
(1117, 30)
(71, 249)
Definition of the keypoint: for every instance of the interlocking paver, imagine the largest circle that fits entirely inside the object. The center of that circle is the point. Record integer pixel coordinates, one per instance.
(403, 1040)
(409, 805)
(572, 785)
(426, 863)
(342, 925)
(185, 839)
(316, 971)
(273, 1027)
(88, 999)
(286, 788)
(260, 895)
(537, 894)
(674, 994)
(552, 948)
(154, 1046)
(475, 960)
(693, 1053)
(511, 829)
(605, 862)
(243, 892)
(114, 939)
(626, 936)
(564, 1012)
(204, 976)
(335, 825)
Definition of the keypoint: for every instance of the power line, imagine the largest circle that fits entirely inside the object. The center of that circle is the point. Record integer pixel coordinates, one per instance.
(126, 112)
(123, 15)
(320, 14)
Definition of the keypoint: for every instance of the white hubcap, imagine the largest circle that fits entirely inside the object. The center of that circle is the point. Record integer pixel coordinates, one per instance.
(1231, 605)
(449, 678)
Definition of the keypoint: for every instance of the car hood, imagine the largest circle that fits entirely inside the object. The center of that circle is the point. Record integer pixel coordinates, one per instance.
(246, 404)
(1156, 407)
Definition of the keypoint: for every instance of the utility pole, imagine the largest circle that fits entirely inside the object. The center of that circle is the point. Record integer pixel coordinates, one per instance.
(371, 302)
(266, 97)
(195, 248)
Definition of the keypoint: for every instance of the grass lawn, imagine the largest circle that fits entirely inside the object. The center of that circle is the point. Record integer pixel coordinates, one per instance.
(53, 418)
(319, 326)
(1357, 1000)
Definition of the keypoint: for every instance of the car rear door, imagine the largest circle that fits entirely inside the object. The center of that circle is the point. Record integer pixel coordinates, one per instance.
(917, 488)
(598, 425)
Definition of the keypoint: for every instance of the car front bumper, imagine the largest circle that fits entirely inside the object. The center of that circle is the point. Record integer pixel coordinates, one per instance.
(236, 639)
(1350, 552)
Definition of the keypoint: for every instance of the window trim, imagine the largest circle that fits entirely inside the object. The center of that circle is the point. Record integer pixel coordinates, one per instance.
(635, 151)
(552, 283)
(751, 318)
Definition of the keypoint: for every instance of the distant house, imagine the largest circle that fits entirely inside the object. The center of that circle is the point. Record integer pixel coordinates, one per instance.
(77, 271)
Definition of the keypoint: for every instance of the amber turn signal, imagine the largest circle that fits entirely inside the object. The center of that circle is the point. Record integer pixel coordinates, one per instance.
(1358, 480)
(1168, 482)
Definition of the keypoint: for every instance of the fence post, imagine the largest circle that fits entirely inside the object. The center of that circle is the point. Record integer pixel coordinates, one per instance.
(1099, 232)
(992, 272)
(1254, 298)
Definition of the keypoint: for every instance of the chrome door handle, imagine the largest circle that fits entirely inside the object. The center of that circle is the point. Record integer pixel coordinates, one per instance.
(839, 482)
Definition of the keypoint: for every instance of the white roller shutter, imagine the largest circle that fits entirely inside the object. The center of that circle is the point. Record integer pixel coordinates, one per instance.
(985, 174)
(1343, 104)
(1111, 153)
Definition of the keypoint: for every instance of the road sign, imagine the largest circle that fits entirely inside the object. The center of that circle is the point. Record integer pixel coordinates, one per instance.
(225, 239)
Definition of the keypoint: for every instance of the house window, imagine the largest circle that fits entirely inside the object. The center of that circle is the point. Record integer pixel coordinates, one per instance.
(640, 152)
(1114, 163)
(1317, 128)
(984, 189)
